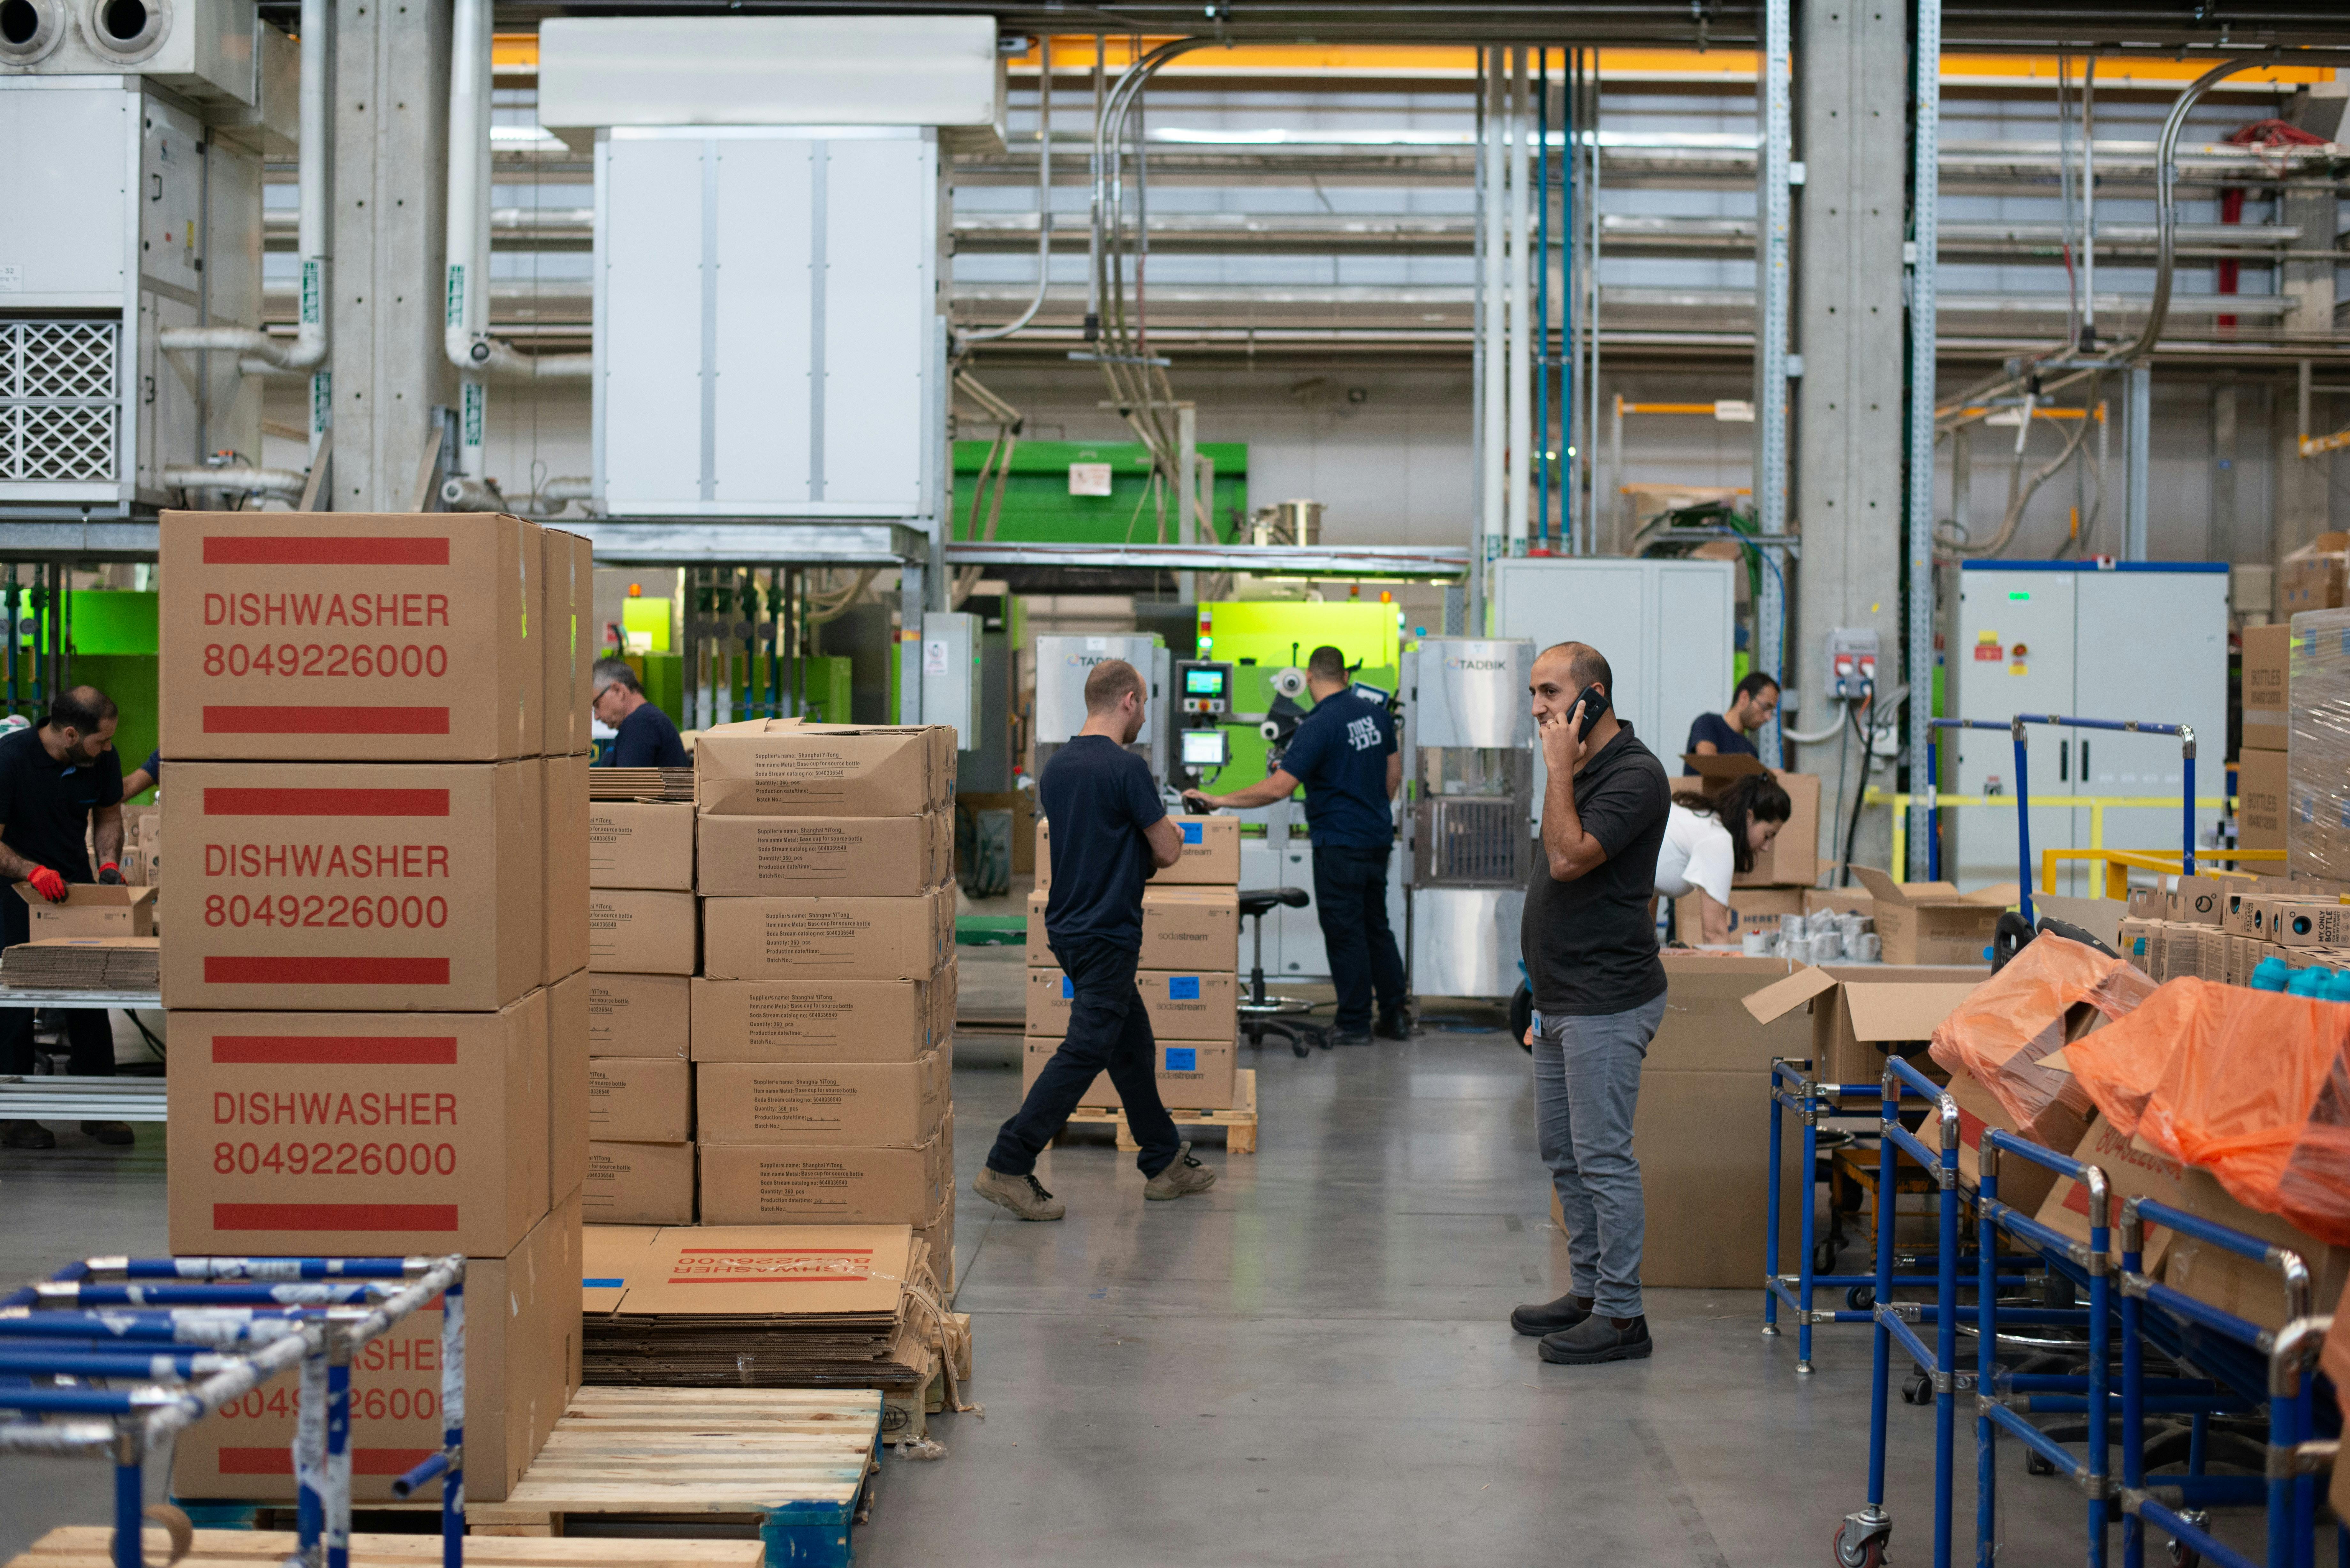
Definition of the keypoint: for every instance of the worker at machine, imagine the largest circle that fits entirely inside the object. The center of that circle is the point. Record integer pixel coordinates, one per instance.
(1343, 754)
(1724, 734)
(647, 738)
(60, 795)
(1590, 953)
(1708, 839)
(1109, 832)
(145, 776)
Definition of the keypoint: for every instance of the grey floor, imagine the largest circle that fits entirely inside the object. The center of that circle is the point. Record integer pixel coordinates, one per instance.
(1309, 1364)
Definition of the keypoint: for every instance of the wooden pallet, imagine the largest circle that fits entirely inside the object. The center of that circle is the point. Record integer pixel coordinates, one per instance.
(91, 1546)
(1238, 1124)
(793, 1461)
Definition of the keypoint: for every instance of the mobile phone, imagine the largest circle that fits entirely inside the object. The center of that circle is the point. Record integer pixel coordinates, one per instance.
(1594, 702)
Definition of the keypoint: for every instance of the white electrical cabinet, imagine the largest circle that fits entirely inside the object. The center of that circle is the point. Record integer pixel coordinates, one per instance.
(2129, 641)
(768, 337)
(1665, 628)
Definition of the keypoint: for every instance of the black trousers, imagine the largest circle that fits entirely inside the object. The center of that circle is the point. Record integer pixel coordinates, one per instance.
(1108, 1031)
(1350, 901)
(89, 1035)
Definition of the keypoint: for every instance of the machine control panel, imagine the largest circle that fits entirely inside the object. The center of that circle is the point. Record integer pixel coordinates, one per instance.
(1204, 688)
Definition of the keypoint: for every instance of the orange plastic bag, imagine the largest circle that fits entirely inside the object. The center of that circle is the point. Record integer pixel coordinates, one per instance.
(2000, 1034)
(2314, 1190)
(2120, 1068)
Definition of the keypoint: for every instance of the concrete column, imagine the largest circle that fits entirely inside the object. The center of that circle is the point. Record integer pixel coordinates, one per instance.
(392, 163)
(1850, 96)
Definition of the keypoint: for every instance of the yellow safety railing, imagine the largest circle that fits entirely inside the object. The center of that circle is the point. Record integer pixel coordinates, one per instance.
(2117, 864)
(2096, 805)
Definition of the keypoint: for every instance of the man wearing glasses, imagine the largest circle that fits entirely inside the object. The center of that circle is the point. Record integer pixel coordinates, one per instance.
(646, 737)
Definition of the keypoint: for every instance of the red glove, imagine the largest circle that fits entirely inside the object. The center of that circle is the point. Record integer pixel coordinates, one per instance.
(110, 874)
(48, 884)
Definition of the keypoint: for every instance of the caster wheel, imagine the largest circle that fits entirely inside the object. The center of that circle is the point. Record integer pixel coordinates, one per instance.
(1299, 1047)
(1856, 1544)
(2183, 1555)
(2033, 1465)
(1917, 1389)
(1861, 1298)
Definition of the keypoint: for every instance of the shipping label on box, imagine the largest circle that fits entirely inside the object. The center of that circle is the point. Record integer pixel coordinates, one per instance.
(90, 910)
(790, 857)
(639, 1184)
(1211, 853)
(358, 886)
(640, 843)
(877, 1104)
(765, 1184)
(1192, 1075)
(567, 646)
(636, 932)
(565, 823)
(1183, 928)
(522, 1344)
(639, 1100)
(833, 938)
(783, 767)
(639, 1015)
(566, 1077)
(821, 1021)
(1196, 1006)
(344, 1134)
(311, 638)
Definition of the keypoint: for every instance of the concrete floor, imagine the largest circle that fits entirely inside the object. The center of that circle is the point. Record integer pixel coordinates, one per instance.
(1310, 1365)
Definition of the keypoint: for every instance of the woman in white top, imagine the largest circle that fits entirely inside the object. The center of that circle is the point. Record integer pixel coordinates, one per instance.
(1710, 839)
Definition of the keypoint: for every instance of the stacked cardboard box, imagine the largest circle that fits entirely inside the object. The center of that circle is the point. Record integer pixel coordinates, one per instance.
(2262, 763)
(822, 1013)
(2317, 757)
(377, 729)
(1781, 882)
(1188, 969)
(2220, 929)
(641, 957)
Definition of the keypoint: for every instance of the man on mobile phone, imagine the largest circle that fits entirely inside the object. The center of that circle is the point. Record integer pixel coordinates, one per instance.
(1590, 952)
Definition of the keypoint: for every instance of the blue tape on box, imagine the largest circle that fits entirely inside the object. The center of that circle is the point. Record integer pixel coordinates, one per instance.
(1182, 987)
(1182, 1059)
(1068, 988)
(1193, 832)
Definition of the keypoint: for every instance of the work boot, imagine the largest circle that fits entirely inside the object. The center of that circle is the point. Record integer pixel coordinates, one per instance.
(1024, 1195)
(1182, 1177)
(118, 1134)
(1350, 1037)
(1394, 1026)
(27, 1135)
(1598, 1338)
(1551, 1317)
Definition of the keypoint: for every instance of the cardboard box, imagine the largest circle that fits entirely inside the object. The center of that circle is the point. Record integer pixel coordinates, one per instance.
(798, 857)
(566, 817)
(350, 636)
(2310, 577)
(833, 938)
(614, 1257)
(882, 1104)
(2267, 687)
(366, 1133)
(785, 767)
(1792, 858)
(640, 1183)
(2309, 925)
(1933, 922)
(751, 1270)
(633, 1099)
(1183, 928)
(1192, 1075)
(1862, 1013)
(640, 843)
(636, 932)
(939, 1236)
(2238, 1284)
(522, 1350)
(90, 910)
(567, 1080)
(2260, 806)
(358, 886)
(2134, 1168)
(1211, 857)
(822, 1020)
(2196, 901)
(639, 1015)
(1751, 910)
(1843, 900)
(567, 579)
(2022, 1185)
(1182, 1006)
(831, 1184)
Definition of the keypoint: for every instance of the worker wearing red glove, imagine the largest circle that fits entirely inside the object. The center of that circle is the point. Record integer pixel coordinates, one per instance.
(61, 797)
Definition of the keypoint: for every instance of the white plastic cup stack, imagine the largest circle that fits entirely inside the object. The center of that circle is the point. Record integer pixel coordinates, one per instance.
(1871, 949)
(1758, 944)
(1792, 929)
(1827, 946)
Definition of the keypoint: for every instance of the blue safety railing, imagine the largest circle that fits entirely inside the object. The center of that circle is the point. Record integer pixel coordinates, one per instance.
(209, 1331)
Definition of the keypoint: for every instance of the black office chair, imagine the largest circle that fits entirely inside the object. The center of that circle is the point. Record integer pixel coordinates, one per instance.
(1261, 1014)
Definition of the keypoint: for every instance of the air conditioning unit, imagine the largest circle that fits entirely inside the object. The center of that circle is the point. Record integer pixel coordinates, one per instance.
(202, 48)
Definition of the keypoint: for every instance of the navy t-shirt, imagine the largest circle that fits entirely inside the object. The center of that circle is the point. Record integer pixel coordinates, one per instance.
(46, 804)
(1726, 740)
(647, 740)
(1340, 755)
(1098, 798)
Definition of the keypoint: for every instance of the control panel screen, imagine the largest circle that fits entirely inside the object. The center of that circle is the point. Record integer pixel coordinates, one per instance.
(1206, 748)
(1209, 681)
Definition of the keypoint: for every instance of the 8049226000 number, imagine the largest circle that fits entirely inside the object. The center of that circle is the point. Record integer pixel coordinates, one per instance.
(366, 660)
(367, 1404)
(337, 911)
(326, 1158)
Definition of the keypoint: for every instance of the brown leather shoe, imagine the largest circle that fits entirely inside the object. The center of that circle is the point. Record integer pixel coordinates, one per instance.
(118, 1134)
(27, 1135)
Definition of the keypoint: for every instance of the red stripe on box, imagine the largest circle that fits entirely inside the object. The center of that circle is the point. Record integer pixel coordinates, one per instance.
(279, 1461)
(337, 1050)
(334, 1217)
(347, 971)
(279, 719)
(326, 803)
(325, 550)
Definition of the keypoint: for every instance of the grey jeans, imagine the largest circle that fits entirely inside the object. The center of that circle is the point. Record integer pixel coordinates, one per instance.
(1586, 1086)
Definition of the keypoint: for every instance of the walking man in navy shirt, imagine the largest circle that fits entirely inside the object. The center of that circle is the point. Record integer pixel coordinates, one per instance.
(1108, 833)
(647, 739)
(1344, 752)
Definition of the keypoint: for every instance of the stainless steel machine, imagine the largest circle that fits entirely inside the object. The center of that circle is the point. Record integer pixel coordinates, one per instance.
(1468, 834)
(1063, 663)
